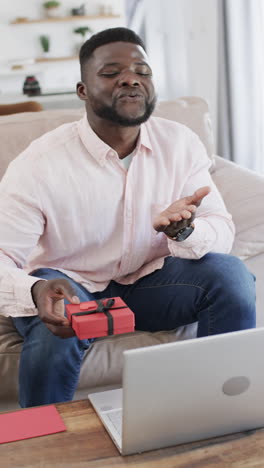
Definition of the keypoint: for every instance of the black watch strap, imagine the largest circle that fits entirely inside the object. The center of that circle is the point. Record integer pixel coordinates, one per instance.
(183, 233)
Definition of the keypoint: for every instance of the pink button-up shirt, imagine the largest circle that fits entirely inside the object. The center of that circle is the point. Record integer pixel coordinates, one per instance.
(68, 203)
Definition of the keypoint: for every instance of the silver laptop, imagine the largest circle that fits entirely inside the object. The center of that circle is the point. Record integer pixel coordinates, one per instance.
(186, 391)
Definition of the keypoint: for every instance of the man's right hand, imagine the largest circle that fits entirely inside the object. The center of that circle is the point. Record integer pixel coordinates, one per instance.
(49, 299)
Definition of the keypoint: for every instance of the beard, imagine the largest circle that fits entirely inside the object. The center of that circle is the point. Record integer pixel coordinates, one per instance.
(111, 113)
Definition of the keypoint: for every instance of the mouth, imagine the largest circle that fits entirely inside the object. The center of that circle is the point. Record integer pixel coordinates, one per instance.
(132, 96)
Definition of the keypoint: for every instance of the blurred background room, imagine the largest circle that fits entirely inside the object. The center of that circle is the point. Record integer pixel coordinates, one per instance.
(206, 48)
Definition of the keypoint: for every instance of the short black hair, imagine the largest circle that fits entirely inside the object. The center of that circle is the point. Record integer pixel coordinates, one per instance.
(106, 37)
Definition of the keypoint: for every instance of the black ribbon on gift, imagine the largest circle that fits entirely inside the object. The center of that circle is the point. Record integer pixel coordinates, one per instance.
(103, 308)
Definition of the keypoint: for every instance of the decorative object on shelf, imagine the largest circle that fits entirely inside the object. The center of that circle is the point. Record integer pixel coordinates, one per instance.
(45, 44)
(52, 8)
(20, 19)
(82, 32)
(31, 86)
(21, 64)
(78, 11)
(105, 10)
(17, 67)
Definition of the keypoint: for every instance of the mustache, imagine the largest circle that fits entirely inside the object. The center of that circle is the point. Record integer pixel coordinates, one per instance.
(131, 93)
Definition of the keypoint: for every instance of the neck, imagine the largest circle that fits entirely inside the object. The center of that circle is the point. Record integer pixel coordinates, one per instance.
(122, 139)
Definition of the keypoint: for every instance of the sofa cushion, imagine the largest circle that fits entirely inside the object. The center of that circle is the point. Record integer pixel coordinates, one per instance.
(104, 360)
(102, 364)
(10, 347)
(18, 130)
(192, 112)
(243, 193)
(10, 340)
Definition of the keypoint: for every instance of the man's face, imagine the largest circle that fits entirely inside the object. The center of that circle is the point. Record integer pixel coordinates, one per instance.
(117, 84)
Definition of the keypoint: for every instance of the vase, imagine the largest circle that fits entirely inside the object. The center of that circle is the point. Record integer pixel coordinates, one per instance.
(53, 12)
(45, 54)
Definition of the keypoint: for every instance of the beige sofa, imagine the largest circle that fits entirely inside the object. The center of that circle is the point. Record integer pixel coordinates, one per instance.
(242, 190)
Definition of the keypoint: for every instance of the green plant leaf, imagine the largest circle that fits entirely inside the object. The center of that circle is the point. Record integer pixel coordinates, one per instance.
(45, 43)
(82, 30)
(51, 4)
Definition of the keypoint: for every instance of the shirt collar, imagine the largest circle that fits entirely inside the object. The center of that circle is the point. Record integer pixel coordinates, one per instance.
(98, 148)
(144, 139)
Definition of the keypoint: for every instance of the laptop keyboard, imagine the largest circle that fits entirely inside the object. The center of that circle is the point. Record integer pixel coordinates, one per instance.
(115, 417)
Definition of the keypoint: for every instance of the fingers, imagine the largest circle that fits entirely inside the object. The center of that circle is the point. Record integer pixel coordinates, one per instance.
(53, 313)
(162, 221)
(183, 214)
(183, 209)
(198, 195)
(61, 288)
(51, 310)
(49, 297)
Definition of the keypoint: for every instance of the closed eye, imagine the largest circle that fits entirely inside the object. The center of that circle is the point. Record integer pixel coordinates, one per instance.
(143, 74)
(109, 75)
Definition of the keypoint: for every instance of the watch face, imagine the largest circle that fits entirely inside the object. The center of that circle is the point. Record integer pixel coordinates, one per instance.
(184, 233)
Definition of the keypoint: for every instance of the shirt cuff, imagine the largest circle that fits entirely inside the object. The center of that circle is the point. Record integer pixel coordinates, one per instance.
(194, 247)
(24, 302)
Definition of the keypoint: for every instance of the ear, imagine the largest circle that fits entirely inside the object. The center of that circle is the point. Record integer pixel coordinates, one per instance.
(81, 90)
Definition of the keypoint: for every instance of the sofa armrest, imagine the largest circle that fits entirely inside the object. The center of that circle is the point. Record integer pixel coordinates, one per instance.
(243, 193)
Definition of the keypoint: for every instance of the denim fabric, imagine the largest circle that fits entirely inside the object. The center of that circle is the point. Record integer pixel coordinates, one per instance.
(217, 291)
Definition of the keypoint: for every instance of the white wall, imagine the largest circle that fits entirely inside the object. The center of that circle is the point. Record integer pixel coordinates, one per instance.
(181, 38)
(22, 41)
(182, 44)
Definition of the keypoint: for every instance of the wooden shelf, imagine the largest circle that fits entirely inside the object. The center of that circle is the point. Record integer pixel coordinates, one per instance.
(63, 18)
(21, 71)
(55, 59)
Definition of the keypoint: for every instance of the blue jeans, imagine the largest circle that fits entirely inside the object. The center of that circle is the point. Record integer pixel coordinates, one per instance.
(217, 291)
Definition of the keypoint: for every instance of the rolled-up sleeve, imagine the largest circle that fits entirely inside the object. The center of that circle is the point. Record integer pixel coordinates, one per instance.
(21, 225)
(214, 229)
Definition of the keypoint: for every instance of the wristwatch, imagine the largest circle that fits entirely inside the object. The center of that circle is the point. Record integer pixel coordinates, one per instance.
(179, 230)
(183, 233)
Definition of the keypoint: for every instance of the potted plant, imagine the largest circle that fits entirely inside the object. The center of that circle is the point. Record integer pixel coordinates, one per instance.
(52, 8)
(82, 31)
(45, 44)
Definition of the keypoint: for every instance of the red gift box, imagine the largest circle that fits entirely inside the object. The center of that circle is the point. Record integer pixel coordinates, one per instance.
(100, 318)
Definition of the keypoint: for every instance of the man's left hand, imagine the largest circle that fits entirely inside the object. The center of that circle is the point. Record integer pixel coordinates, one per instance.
(181, 209)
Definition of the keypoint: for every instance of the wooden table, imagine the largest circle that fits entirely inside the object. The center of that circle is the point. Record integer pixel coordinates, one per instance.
(87, 444)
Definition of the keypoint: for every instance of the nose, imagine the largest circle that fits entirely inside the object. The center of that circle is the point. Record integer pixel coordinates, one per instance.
(128, 78)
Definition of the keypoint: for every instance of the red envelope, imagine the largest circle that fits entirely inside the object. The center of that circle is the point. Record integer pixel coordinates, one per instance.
(30, 422)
